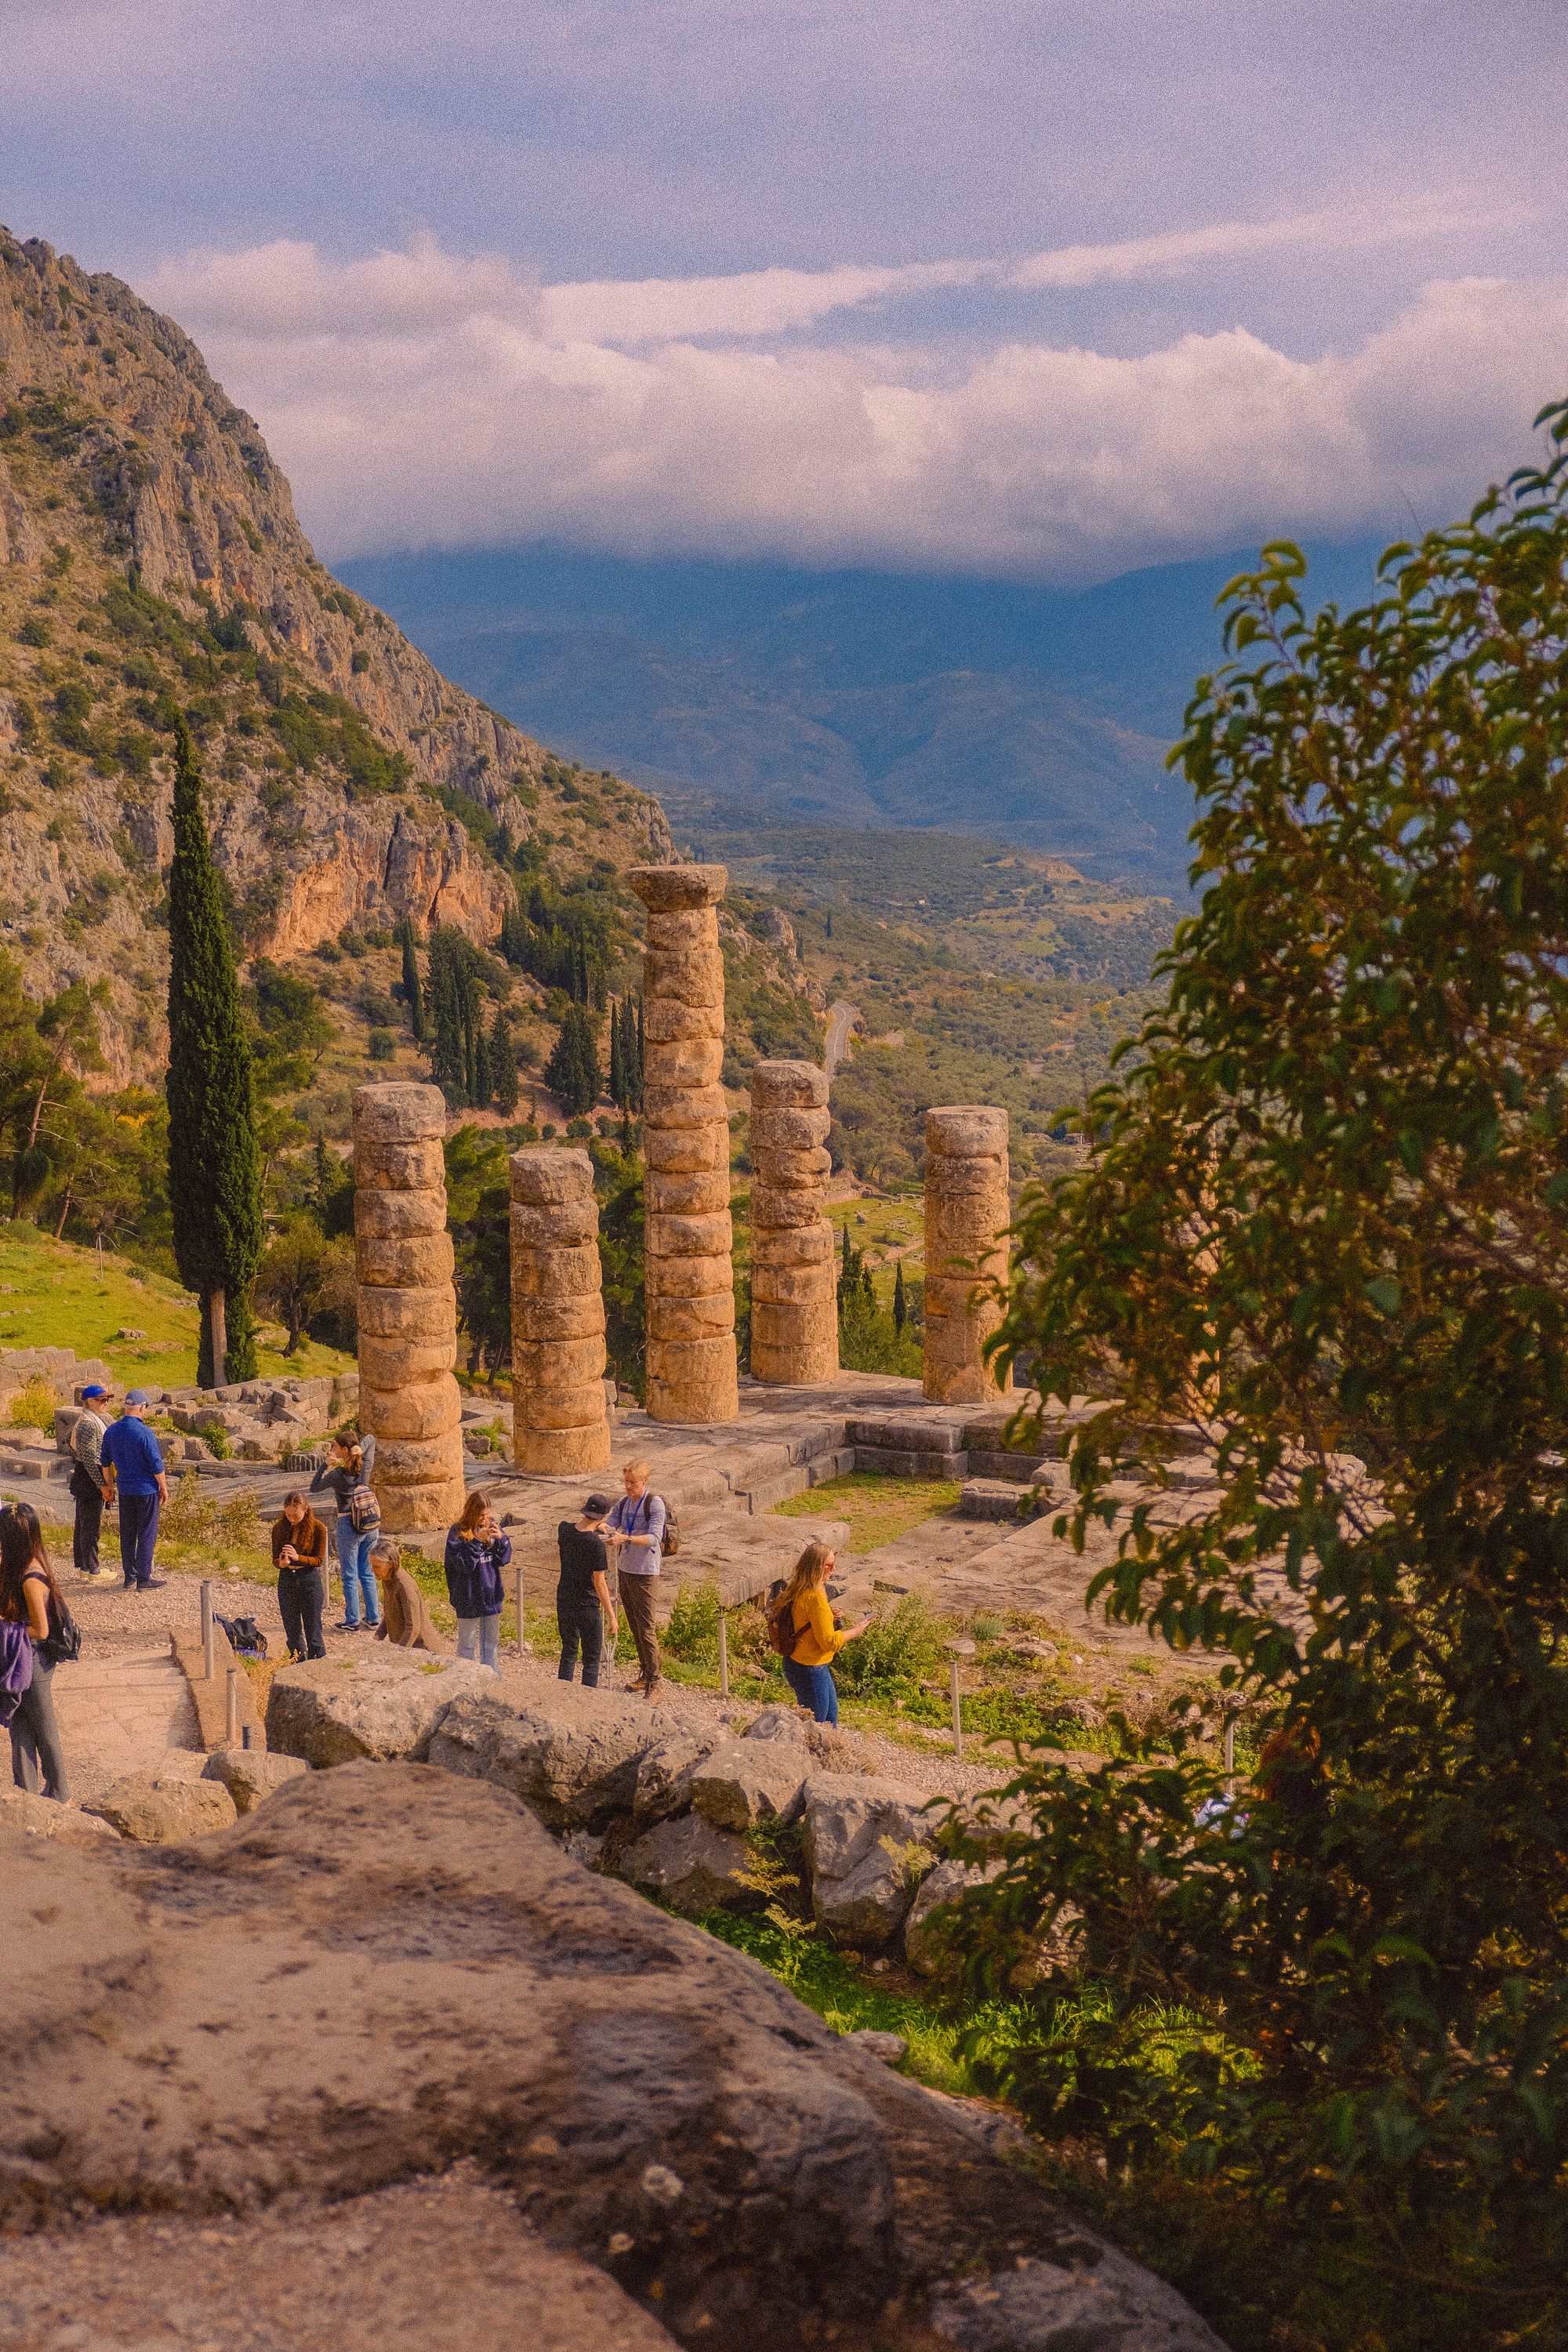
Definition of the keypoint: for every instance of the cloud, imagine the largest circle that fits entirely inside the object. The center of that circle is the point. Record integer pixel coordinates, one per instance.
(418, 399)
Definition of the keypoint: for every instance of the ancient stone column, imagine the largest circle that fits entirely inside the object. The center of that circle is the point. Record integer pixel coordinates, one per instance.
(560, 1422)
(408, 1399)
(794, 1289)
(967, 1215)
(691, 1371)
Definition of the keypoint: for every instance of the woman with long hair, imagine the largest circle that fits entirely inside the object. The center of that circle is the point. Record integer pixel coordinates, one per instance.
(811, 1638)
(27, 1589)
(477, 1552)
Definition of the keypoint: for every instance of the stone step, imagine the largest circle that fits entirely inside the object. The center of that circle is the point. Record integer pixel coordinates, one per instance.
(1020, 1469)
(997, 1498)
(894, 1462)
(935, 1432)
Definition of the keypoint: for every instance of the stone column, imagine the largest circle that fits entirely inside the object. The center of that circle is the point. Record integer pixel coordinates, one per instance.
(560, 1422)
(794, 1289)
(967, 1215)
(691, 1371)
(408, 1400)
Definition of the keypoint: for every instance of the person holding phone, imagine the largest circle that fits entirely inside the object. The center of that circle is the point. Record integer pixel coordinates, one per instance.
(476, 1554)
(300, 1556)
(812, 1637)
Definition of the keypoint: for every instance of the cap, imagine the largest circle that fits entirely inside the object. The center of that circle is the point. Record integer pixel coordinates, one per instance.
(137, 1396)
(94, 1389)
(595, 1506)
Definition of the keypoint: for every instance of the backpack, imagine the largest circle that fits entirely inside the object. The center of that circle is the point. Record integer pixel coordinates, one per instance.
(671, 1544)
(62, 1646)
(246, 1638)
(782, 1634)
(365, 1511)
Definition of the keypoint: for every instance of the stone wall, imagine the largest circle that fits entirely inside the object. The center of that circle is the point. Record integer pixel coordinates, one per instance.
(407, 1306)
(691, 1365)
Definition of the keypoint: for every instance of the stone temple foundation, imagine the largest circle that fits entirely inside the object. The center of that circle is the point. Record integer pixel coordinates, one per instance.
(967, 1213)
(407, 1308)
(795, 1291)
(559, 1418)
(692, 1364)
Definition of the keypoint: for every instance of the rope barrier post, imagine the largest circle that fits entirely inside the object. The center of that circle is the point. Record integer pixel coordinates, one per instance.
(723, 1654)
(209, 1653)
(231, 1710)
(957, 1651)
(521, 1645)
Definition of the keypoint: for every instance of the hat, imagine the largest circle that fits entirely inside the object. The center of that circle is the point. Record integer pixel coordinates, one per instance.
(93, 1388)
(137, 1396)
(595, 1506)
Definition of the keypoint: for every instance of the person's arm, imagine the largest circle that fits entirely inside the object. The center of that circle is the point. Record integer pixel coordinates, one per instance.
(366, 1458)
(36, 1594)
(646, 1531)
(501, 1549)
(323, 1473)
(155, 1464)
(602, 1593)
(819, 1617)
(280, 1538)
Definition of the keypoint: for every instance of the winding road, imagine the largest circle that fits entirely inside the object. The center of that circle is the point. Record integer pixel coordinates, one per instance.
(841, 1019)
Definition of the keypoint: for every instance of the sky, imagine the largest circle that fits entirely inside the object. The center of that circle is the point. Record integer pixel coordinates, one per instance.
(1026, 289)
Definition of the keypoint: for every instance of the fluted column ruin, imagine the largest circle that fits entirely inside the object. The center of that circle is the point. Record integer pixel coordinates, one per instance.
(691, 1369)
(408, 1400)
(967, 1215)
(559, 1420)
(795, 1290)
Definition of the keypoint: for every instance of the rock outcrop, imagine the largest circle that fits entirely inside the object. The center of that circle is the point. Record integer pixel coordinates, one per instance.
(390, 1975)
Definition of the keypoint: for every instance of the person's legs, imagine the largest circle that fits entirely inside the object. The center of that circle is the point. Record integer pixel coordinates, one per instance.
(147, 1537)
(289, 1581)
(799, 1681)
(591, 1630)
(823, 1695)
(130, 1526)
(636, 1600)
(370, 1591)
(348, 1544)
(567, 1624)
(38, 1749)
(489, 1641)
(89, 1525)
(468, 1637)
(312, 1597)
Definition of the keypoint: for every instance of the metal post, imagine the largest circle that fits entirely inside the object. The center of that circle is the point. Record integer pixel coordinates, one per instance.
(520, 1644)
(245, 1736)
(231, 1709)
(723, 1655)
(1230, 1756)
(957, 1714)
(209, 1653)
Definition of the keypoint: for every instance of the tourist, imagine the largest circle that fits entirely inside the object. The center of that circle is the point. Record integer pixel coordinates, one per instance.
(477, 1551)
(31, 1597)
(812, 1638)
(300, 1556)
(130, 1452)
(583, 1609)
(348, 1474)
(404, 1619)
(635, 1529)
(89, 1487)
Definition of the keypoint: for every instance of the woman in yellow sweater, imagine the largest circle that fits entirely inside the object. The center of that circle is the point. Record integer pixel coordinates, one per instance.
(807, 1659)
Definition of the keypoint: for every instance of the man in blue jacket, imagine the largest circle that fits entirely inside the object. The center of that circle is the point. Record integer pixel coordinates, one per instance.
(130, 1451)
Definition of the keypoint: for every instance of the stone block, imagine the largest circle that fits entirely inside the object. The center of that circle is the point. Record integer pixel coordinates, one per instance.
(251, 1774)
(537, 1321)
(671, 888)
(747, 1782)
(967, 1131)
(691, 975)
(333, 1713)
(420, 1260)
(416, 1314)
(543, 1177)
(895, 1462)
(711, 1317)
(557, 1273)
(401, 1167)
(997, 1499)
(562, 1224)
(687, 1107)
(695, 1396)
(664, 1772)
(423, 1410)
(418, 1460)
(398, 1216)
(690, 1865)
(571, 1754)
(398, 1111)
(565, 1408)
(703, 1192)
(696, 1062)
(687, 1150)
(410, 1510)
(164, 1808)
(554, 1364)
(44, 1817)
(805, 1242)
(667, 1021)
(867, 1906)
(704, 1236)
(787, 1130)
(556, 1453)
(394, 1359)
(688, 1277)
(929, 1923)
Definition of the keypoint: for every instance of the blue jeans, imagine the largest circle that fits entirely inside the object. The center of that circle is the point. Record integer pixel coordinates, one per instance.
(814, 1687)
(359, 1577)
(138, 1536)
(480, 1637)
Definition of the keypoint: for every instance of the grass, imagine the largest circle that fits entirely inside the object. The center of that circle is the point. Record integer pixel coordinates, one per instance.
(54, 1295)
(878, 1510)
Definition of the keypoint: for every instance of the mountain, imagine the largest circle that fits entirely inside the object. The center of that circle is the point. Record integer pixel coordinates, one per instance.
(150, 559)
(1039, 717)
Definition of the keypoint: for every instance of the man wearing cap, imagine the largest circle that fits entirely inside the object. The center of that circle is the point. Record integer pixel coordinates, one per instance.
(584, 1611)
(89, 1486)
(130, 1451)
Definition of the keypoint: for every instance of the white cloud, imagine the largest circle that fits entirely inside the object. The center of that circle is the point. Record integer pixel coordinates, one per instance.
(419, 399)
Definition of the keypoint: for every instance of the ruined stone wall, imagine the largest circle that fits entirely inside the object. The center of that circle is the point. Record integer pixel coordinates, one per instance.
(967, 1211)
(560, 1422)
(691, 1366)
(407, 1306)
(795, 1292)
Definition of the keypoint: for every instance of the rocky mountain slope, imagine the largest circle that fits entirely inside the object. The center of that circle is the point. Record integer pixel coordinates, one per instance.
(151, 559)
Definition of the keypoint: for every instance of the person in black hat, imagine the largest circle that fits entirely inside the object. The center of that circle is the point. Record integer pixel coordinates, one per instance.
(89, 1487)
(583, 1604)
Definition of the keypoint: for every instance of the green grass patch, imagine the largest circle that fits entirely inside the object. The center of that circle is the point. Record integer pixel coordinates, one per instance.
(878, 1510)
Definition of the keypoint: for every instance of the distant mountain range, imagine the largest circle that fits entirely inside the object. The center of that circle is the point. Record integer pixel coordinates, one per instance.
(1038, 717)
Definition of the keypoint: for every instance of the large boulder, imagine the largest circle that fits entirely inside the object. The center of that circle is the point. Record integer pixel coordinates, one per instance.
(571, 1754)
(249, 1774)
(927, 1927)
(747, 1782)
(690, 1865)
(391, 1984)
(341, 1711)
(44, 1817)
(664, 1773)
(867, 1841)
(164, 1808)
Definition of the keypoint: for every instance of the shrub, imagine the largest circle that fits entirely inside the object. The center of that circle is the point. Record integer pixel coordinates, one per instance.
(381, 1046)
(901, 1644)
(33, 1406)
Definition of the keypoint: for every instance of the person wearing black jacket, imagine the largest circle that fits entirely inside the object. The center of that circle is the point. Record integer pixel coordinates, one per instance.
(353, 1465)
(583, 1608)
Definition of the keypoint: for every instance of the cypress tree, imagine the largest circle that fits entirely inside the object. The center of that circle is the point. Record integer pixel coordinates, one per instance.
(214, 1162)
(413, 994)
(637, 1070)
(449, 1061)
(503, 1065)
(571, 1073)
(900, 1304)
(617, 1060)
